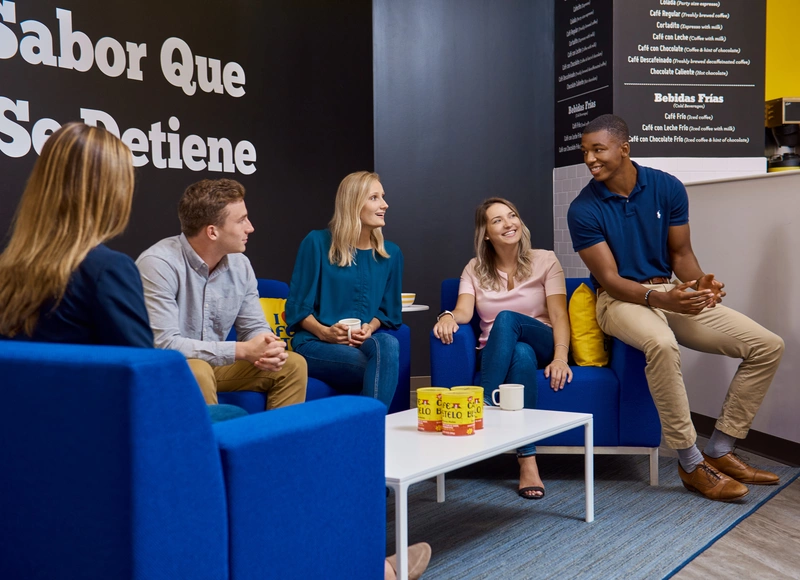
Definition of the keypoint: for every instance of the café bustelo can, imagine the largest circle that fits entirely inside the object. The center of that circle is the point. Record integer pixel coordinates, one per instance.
(478, 401)
(429, 408)
(458, 413)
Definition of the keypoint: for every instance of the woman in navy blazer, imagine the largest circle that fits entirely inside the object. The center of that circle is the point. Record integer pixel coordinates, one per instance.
(58, 282)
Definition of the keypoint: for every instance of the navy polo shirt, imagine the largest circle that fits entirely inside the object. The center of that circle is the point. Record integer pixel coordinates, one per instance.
(634, 227)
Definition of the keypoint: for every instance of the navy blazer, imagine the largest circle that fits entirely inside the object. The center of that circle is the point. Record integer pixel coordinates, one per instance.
(103, 304)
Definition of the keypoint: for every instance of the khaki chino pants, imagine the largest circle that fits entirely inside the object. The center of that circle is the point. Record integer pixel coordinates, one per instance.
(718, 330)
(284, 387)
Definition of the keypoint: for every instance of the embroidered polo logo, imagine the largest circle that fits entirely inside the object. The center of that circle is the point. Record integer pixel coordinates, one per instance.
(658, 214)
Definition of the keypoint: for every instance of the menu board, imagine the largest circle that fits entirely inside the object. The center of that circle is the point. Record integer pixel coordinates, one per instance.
(689, 76)
(583, 71)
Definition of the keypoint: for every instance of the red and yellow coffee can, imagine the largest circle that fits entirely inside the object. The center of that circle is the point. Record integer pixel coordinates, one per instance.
(458, 413)
(477, 402)
(429, 408)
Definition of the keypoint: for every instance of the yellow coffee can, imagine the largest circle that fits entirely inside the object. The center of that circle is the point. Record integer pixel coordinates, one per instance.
(458, 413)
(477, 402)
(429, 408)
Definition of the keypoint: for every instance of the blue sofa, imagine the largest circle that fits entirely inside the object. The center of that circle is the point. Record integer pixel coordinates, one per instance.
(112, 469)
(625, 418)
(254, 402)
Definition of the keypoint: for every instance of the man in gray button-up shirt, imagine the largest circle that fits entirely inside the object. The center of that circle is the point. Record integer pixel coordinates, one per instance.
(199, 285)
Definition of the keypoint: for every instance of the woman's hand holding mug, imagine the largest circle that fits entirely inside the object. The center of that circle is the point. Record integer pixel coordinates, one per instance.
(353, 326)
(336, 334)
(357, 337)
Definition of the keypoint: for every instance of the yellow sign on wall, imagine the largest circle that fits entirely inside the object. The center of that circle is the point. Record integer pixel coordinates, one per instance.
(783, 64)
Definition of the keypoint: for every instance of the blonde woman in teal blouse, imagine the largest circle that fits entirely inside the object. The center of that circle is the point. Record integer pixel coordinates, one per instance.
(349, 271)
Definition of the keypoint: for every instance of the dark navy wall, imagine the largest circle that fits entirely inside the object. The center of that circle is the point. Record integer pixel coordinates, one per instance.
(307, 106)
(463, 111)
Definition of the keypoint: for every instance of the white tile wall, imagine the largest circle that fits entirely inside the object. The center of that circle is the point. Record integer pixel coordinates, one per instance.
(568, 182)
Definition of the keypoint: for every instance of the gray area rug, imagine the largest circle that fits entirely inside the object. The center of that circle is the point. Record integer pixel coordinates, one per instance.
(484, 530)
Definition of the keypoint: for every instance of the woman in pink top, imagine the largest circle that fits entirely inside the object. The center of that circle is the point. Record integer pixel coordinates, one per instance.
(521, 299)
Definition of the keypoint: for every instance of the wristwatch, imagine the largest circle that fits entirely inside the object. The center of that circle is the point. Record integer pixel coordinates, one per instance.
(445, 312)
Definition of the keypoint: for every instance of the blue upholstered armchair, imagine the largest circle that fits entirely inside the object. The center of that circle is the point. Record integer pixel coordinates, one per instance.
(111, 469)
(254, 402)
(625, 418)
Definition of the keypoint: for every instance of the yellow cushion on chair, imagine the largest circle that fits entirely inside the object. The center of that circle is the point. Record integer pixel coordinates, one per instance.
(275, 313)
(588, 341)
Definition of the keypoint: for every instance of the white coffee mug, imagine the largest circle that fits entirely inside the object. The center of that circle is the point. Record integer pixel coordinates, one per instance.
(352, 324)
(512, 397)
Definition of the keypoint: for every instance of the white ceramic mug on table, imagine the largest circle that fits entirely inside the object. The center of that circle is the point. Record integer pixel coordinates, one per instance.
(512, 397)
(352, 324)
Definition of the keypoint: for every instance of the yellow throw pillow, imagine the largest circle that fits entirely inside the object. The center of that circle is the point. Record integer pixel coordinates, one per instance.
(275, 313)
(588, 341)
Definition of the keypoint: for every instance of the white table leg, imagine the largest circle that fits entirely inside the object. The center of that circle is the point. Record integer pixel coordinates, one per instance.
(440, 488)
(654, 466)
(401, 530)
(589, 457)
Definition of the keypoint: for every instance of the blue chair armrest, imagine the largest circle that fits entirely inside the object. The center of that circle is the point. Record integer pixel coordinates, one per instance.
(109, 467)
(454, 364)
(305, 490)
(639, 425)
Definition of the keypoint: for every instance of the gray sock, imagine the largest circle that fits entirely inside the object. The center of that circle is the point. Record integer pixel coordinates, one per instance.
(719, 444)
(689, 458)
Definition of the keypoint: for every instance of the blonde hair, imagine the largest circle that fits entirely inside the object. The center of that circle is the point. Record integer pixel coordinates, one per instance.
(78, 196)
(345, 225)
(486, 266)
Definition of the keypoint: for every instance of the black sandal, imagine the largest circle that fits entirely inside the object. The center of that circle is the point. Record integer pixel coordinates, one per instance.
(524, 491)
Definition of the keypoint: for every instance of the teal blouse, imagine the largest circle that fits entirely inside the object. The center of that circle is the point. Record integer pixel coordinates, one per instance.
(369, 288)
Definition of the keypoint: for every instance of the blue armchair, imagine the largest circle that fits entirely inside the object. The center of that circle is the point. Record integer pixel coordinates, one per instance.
(625, 418)
(254, 402)
(112, 469)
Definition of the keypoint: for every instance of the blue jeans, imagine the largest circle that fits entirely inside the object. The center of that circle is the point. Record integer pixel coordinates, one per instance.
(512, 353)
(370, 369)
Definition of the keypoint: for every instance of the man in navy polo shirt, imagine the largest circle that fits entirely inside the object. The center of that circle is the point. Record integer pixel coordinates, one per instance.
(630, 225)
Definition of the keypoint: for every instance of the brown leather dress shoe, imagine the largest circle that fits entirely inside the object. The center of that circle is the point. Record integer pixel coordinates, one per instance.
(732, 465)
(418, 557)
(712, 484)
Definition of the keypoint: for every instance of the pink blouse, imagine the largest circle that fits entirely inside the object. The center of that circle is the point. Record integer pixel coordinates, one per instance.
(528, 297)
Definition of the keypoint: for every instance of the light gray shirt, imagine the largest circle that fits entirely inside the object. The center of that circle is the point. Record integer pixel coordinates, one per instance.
(191, 310)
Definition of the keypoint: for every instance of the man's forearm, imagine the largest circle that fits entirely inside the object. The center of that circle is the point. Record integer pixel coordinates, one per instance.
(214, 353)
(249, 333)
(626, 290)
(686, 267)
(167, 335)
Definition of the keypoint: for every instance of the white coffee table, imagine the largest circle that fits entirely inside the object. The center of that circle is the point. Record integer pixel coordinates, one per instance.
(413, 456)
